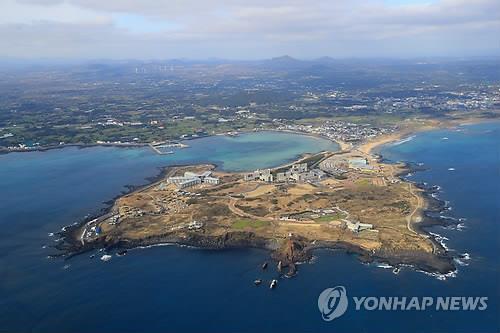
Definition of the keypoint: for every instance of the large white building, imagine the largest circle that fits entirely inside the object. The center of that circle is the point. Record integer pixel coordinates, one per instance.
(191, 179)
(297, 172)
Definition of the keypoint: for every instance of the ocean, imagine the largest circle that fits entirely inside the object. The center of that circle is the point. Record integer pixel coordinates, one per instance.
(174, 289)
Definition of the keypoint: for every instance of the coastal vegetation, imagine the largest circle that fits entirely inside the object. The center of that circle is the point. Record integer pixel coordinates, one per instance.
(247, 223)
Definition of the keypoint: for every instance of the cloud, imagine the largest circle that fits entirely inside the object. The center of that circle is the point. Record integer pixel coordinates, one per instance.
(248, 29)
(14, 12)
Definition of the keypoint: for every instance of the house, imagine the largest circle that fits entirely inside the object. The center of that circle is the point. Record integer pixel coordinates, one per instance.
(357, 226)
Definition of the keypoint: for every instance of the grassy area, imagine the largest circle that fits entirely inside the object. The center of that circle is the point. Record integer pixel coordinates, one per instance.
(247, 223)
(329, 218)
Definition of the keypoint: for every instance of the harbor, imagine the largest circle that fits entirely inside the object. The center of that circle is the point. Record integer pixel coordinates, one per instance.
(157, 147)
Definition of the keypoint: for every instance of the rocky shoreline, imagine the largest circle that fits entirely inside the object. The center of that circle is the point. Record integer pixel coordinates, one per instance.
(289, 252)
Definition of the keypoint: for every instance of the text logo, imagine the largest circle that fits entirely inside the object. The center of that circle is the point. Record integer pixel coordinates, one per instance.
(332, 303)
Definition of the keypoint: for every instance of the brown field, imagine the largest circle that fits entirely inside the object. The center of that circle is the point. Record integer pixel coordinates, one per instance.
(267, 209)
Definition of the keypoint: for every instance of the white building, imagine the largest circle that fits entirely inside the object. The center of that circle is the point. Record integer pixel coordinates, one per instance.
(263, 175)
(211, 180)
(191, 179)
(357, 226)
(299, 168)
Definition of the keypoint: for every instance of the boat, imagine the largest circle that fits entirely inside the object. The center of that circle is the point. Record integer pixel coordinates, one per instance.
(92, 256)
(121, 253)
(257, 282)
(264, 265)
(273, 284)
(106, 257)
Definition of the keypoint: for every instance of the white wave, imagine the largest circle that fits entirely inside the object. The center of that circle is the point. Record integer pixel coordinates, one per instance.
(313, 260)
(441, 240)
(106, 257)
(444, 217)
(441, 277)
(462, 259)
(460, 262)
(408, 139)
(385, 266)
(456, 227)
(154, 245)
(51, 234)
(165, 244)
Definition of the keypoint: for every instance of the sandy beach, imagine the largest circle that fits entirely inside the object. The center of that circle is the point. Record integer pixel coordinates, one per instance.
(427, 125)
(368, 146)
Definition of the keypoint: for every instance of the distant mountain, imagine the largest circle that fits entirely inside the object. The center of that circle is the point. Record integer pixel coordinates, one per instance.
(283, 62)
(285, 59)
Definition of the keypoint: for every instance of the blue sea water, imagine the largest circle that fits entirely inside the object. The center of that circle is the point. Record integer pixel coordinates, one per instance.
(172, 289)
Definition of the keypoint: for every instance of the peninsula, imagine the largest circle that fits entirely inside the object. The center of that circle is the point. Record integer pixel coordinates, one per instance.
(348, 200)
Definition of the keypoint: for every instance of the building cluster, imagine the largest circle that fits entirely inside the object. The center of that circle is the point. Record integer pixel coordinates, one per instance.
(334, 166)
(466, 98)
(263, 175)
(425, 97)
(298, 172)
(191, 179)
(340, 130)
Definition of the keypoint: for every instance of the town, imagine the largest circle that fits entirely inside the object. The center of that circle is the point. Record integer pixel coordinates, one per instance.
(141, 104)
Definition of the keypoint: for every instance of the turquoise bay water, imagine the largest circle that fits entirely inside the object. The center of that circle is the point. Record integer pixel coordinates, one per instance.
(174, 289)
(251, 150)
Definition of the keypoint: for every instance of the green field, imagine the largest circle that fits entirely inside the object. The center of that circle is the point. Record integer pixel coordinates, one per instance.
(330, 217)
(247, 223)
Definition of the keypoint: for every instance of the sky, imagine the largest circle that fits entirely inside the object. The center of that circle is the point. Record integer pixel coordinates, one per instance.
(242, 29)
